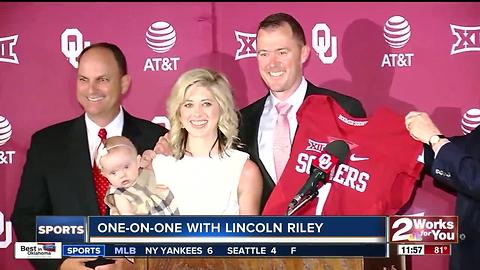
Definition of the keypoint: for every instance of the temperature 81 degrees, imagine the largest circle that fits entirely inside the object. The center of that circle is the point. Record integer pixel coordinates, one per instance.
(437, 249)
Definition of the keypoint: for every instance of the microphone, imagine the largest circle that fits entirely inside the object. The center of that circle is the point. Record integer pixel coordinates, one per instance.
(333, 154)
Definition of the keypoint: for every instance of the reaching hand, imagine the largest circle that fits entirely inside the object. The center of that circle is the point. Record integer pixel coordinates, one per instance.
(162, 146)
(146, 160)
(420, 126)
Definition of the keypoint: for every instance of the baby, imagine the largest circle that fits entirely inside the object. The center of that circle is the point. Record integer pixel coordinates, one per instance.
(133, 190)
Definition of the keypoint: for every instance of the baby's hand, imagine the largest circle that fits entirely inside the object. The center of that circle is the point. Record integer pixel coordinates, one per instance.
(162, 146)
(146, 160)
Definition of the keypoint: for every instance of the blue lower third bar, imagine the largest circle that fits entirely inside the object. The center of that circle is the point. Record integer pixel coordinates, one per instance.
(247, 250)
(83, 250)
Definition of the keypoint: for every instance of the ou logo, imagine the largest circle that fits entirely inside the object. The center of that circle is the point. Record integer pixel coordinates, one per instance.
(7, 228)
(72, 49)
(325, 161)
(322, 44)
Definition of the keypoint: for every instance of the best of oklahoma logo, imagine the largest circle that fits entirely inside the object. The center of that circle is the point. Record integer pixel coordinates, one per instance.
(397, 33)
(161, 38)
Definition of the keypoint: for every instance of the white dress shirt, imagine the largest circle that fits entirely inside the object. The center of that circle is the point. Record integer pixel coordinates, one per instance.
(268, 121)
(114, 128)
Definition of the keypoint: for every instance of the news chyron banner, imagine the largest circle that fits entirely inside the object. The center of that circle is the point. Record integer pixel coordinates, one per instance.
(51, 231)
(200, 236)
(423, 235)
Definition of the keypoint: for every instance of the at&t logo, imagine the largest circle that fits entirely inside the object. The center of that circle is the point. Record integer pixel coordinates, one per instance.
(161, 37)
(73, 45)
(323, 42)
(397, 33)
(470, 120)
(6, 49)
(468, 38)
(6, 157)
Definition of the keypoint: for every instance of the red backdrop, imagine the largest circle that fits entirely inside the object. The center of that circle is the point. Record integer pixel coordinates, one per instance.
(432, 66)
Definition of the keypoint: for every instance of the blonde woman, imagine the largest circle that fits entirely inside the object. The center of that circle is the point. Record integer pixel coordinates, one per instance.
(205, 172)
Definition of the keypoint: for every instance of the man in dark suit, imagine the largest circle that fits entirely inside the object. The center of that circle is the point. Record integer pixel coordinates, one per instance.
(57, 176)
(281, 53)
(454, 162)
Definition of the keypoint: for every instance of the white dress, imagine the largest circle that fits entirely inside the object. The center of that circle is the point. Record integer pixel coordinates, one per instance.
(202, 185)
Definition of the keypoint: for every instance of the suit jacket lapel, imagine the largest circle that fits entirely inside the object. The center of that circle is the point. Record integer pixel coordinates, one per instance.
(130, 129)
(80, 166)
(251, 126)
(313, 90)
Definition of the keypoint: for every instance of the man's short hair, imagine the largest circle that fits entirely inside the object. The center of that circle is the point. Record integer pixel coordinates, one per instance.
(117, 53)
(278, 19)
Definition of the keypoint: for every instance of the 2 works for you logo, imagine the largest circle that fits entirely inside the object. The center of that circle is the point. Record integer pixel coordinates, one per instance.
(470, 120)
(397, 33)
(468, 39)
(73, 45)
(6, 157)
(424, 229)
(5, 226)
(7, 54)
(161, 38)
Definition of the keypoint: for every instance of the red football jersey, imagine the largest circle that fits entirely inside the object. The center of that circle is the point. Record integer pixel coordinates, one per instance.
(378, 176)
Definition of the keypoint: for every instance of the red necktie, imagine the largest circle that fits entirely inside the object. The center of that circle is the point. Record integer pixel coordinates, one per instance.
(100, 181)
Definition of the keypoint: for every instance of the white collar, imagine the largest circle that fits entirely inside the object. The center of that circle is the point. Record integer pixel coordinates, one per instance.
(296, 99)
(112, 127)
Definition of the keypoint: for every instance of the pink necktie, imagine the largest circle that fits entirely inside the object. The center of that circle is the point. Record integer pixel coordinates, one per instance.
(100, 181)
(281, 138)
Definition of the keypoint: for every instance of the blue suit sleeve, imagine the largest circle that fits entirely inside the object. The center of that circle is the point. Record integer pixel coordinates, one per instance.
(458, 169)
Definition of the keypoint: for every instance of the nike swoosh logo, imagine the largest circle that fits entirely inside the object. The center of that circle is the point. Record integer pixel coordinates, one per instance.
(355, 158)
